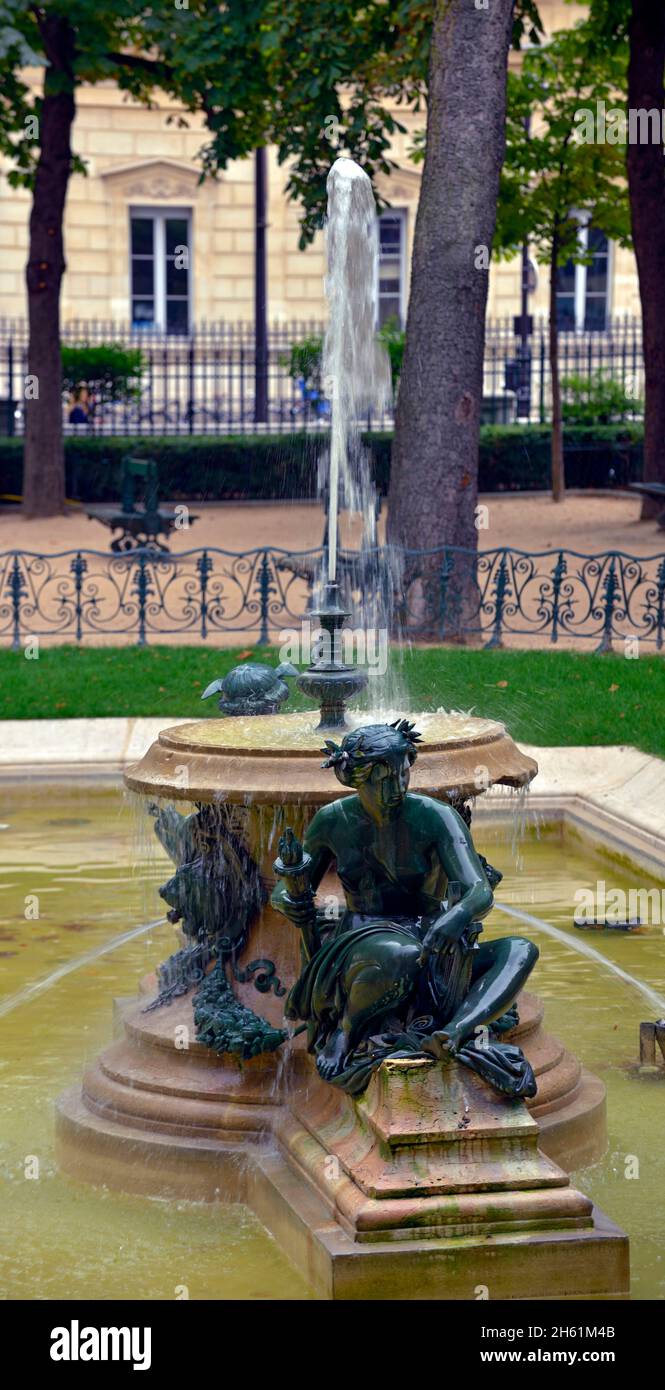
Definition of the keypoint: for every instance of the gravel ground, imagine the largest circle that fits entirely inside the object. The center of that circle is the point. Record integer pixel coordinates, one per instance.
(590, 524)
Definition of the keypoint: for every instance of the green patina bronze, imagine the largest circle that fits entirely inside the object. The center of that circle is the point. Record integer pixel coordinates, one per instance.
(252, 688)
(215, 893)
(225, 1025)
(400, 971)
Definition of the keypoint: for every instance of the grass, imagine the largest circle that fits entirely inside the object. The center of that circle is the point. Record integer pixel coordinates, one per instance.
(545, 697)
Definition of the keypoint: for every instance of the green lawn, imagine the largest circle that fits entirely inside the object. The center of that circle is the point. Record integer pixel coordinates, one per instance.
(545, 697)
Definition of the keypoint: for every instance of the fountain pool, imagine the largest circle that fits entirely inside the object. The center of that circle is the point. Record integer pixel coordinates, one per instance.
(73, 846)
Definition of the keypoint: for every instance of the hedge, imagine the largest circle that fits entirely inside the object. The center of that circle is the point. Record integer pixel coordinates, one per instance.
(516, 457)
(202, 468)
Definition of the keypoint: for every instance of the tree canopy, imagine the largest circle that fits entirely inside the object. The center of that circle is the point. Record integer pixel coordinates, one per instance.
(207, 60)
(311, 79)
(551, 176)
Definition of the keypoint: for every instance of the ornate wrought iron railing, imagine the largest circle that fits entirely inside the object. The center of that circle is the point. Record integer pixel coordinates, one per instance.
(506, 594)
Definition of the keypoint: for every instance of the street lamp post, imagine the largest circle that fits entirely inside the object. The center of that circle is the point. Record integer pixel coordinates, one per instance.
(260, 288)
(525, 327)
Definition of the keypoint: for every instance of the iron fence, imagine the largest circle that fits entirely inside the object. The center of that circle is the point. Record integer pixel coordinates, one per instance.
(204, 382)
(206, 594)
(517, 382)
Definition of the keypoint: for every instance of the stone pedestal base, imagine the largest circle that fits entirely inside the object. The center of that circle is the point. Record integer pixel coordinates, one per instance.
(428, 1186)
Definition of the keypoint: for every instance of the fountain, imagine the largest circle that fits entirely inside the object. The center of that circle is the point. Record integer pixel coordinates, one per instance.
(350, 1062)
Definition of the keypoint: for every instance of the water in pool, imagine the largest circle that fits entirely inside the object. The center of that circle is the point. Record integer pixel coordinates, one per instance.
(72, 880)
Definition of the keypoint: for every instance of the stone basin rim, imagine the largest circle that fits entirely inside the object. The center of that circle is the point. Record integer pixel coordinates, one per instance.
(235, 760)
(198, 736)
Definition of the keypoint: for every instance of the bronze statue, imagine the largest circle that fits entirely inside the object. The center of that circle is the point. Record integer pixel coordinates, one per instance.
(215, 893)
(252, 688)
(400, 972)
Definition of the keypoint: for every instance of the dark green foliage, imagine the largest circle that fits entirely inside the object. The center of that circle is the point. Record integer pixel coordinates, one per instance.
(512, 457)
(110, 371)
(209, 67)
(310, 79)
(202, 468)
(197, 467)
(304, 360)
(548, 171)
(393, 338)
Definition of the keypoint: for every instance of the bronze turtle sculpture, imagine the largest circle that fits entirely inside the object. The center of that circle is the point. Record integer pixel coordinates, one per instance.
(252, 688)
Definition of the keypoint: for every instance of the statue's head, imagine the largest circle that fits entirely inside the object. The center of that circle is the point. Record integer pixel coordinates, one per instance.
(376, 761)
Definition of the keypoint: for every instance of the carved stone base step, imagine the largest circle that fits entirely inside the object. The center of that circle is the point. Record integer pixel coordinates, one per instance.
(426, 1187)
(429, 1149)
(155, 1075)
(592, 1263)
(588, 1263)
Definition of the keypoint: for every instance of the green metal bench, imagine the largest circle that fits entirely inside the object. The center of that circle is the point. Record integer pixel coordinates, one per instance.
(139, 525)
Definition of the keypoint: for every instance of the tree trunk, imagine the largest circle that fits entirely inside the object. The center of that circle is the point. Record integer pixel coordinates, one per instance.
(558, 471)
(434, 476)
(43, 456)
(646, 186)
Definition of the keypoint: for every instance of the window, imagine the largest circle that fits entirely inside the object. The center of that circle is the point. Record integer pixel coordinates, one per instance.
(160, 254)
(582, 290)
(391, 296)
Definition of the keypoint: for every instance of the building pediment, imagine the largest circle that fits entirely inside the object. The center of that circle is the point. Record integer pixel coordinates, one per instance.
(150, 179)
(399, 186)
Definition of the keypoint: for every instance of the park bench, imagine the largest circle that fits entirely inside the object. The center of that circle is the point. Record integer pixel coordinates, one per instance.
(138, 525)
(657, 491)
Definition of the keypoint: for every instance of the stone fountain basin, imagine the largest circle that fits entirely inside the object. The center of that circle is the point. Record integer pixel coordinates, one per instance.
(276, 759)
(437, 1182)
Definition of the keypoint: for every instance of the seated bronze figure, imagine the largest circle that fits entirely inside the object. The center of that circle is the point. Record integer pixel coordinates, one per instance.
(400, 971)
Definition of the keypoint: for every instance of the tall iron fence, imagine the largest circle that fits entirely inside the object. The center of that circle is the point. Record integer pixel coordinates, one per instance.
(517, 382)
(210, 594)
(204, 382)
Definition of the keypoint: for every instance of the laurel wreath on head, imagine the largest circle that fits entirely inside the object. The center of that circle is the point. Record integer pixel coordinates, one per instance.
(407, 730)
(337, 756)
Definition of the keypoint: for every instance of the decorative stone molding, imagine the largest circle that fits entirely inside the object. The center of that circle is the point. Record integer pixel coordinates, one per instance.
(150, 179)
(402, 186)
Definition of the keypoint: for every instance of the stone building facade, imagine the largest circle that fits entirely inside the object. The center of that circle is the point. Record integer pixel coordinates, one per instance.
(141, 200)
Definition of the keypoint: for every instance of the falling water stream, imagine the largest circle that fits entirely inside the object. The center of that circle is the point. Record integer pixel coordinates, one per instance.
(355, 369)
(653, 999)
(356, 376)
(23, 996)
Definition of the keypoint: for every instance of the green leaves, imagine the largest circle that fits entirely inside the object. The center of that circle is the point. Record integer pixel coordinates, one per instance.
(549, 173)
(598, 399)
(259, 71)
(110, 371)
